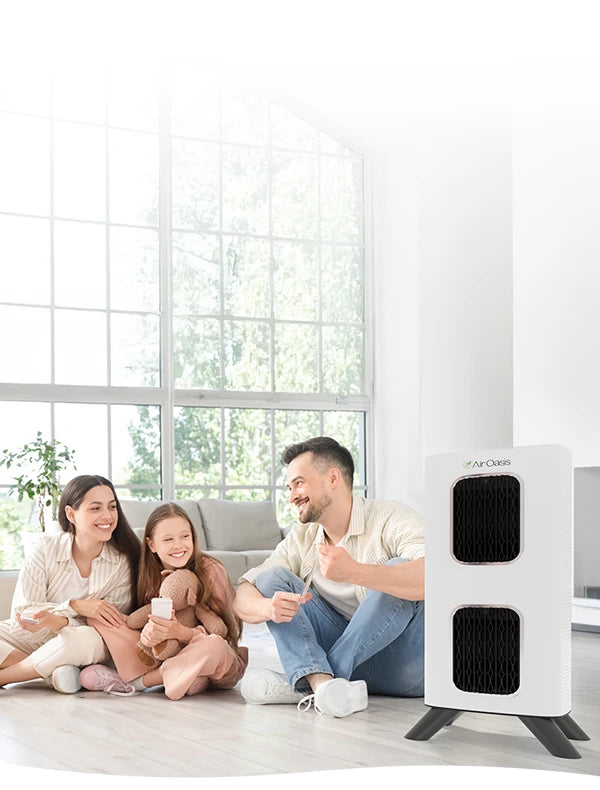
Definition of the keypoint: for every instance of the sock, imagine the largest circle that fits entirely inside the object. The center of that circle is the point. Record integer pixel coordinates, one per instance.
(138, 684)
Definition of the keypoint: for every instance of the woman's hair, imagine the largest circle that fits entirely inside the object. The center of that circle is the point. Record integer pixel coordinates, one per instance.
(123, 538)
(149, 577)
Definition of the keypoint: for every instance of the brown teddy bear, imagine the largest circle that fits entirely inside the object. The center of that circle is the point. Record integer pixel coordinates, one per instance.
(182, 586)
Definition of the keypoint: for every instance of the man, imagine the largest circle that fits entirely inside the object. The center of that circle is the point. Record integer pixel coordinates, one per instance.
(360, 630)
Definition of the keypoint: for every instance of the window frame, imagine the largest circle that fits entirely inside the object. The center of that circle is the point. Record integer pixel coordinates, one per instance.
(167, 396)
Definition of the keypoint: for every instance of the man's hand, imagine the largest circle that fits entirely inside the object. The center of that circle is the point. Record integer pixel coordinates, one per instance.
(96, 608)
(284, 606)
(336, 564)
(45, 619)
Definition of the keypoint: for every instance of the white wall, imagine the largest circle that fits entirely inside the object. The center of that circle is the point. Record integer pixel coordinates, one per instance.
(557, 296)
(443, 293)
(396, 441)
(557, 279)
(465, 192)
(465, 265)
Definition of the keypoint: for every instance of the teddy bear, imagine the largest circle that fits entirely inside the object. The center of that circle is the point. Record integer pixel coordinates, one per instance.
(182, 586)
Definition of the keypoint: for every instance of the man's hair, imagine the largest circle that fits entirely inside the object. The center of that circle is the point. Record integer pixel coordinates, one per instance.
(326, 453)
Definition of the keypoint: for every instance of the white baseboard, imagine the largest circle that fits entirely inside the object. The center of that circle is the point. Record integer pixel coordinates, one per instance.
(586, 614)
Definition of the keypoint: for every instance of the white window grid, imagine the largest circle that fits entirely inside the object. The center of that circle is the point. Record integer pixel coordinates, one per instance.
(167, 396)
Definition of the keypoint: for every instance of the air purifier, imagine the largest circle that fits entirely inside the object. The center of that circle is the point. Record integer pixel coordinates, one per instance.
(498, 590)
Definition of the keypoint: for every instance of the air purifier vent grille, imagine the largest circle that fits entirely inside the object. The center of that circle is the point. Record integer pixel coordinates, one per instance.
(486, 519)
(486, 649)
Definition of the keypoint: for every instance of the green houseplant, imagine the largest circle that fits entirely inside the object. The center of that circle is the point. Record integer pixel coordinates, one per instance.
(38, 464)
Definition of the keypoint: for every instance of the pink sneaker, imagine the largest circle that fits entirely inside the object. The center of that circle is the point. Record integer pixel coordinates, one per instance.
(97, 677)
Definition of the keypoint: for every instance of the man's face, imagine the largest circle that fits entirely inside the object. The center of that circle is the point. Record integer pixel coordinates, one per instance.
(309, 488)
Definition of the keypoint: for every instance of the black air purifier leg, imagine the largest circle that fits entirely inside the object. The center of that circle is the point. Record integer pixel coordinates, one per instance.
(431, 722)
(454, 718)
(553, 733)
(550, 735)
(571, 729)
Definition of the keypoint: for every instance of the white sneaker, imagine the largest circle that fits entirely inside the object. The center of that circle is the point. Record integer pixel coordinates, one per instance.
(65, 679)
(337, 697)
(264, 687)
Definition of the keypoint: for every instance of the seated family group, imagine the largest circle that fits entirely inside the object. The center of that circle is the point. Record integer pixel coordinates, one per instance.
(342, 595)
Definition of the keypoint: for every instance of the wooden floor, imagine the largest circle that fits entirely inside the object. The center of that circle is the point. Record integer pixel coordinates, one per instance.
(218, 734)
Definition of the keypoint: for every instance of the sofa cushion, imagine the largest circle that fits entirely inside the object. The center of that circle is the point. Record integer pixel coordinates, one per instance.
(234, 562)
(256, 557)
(137, 512)
(238, 526)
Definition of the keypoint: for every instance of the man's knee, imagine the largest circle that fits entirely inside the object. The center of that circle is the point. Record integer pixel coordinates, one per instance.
(382, 599)
(274, 579)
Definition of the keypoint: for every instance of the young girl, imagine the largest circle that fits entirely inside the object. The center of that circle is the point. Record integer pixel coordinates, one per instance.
(206, 659)
(88, 570)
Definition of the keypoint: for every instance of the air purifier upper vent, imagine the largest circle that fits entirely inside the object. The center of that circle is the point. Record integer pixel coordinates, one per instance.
(486, 519)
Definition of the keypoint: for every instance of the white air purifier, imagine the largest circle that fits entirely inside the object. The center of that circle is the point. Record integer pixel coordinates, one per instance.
(498, 590)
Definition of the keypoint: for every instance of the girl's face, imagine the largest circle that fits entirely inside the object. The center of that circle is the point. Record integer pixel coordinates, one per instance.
(97, 515)
(172, 540)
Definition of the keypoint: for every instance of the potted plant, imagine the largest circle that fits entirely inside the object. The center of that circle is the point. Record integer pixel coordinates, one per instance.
(39, 463)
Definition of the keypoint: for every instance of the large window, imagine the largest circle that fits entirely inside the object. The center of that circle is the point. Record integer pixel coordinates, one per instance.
(183, 285)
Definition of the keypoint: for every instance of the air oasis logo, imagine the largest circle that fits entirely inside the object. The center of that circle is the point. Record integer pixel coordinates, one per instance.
(489, 462)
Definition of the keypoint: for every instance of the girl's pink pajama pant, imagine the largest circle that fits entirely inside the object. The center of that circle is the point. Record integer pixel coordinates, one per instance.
(207, 660)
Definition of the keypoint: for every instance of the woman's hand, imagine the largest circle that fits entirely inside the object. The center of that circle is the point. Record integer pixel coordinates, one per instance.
(157, 629)
(107, 613)
(45, 619)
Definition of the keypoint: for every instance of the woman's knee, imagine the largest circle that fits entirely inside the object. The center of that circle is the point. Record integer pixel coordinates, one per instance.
(274, 579)
(77, 645)
(80, 642)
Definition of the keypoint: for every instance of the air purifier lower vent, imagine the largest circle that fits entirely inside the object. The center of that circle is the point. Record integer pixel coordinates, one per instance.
(486, 519)
(486, 649)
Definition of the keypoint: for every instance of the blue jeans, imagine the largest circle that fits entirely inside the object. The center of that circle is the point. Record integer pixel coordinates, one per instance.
(382, 643)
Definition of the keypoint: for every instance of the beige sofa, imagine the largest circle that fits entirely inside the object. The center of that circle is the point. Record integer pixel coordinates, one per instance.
(240, 534)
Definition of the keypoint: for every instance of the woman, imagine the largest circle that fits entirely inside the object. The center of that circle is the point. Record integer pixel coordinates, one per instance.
(206, 659)
(87, 570)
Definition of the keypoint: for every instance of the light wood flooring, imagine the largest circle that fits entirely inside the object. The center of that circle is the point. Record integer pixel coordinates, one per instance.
(218, 734)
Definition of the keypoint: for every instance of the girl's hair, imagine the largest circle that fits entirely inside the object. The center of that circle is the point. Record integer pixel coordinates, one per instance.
(149, 577)
(123, 538)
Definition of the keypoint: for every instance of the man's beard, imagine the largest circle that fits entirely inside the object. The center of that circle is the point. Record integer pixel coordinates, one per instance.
(314, 510)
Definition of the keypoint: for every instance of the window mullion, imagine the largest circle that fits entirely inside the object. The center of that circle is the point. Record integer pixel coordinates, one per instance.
(319, 276)
(107, 262)
(222, 413)
(167, 432)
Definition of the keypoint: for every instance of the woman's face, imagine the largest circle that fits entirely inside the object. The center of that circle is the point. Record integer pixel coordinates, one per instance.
(97, 515)
(172, 539)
